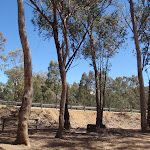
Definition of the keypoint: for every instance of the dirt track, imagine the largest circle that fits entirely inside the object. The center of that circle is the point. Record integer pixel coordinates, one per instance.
(122, 132)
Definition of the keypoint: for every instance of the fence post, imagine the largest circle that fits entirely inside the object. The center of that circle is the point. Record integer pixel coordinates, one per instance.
(41, 106)
(56, 106)
(84, 108)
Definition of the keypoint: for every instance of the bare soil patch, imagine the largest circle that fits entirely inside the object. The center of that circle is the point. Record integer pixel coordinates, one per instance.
(122, 132)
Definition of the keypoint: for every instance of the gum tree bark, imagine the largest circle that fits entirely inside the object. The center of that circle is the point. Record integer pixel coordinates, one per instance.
(62, 46)
(148, 114)
(98, 104)
(139, 66)
(62, 62)
(24, 112)
(67, 125)
(61, 55)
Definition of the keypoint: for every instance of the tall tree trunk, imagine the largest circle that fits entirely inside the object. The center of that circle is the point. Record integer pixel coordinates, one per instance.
(61, 54)
(140, 75)
(104, 89)
(24, 112)
(148, 115)
(98, 105)
(62, 107)
(66, 116)
(98, 108)
(61, 62)
(100, 93)
(15, 95)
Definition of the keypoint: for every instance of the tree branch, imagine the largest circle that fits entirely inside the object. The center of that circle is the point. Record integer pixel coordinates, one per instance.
(64, 34)
(29, 5)
(143, 21)
(41, 12)
(127, 22)
(71, 67)
(74, 54)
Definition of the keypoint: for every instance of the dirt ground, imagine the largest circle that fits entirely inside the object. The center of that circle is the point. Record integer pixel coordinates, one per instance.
(122, 132)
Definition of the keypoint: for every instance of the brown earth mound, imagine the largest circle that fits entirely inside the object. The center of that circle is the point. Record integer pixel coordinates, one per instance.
(78, 118)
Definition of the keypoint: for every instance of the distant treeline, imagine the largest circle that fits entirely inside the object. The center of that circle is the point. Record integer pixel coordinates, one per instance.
(122, 92)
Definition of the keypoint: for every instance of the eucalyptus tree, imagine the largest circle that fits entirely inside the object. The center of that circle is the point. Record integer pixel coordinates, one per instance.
(37, 90)
(24, 112)
(83, 89)
(56, 19)
(143, 13)
(143, 16)
(73, 94)
(2, 87)
(14, 71)
(16, 76)
(2, 48)
(106, 35)
(132, 91)
(53, 83)
(139, 21)
(111, 35)
(39, 87)
(53, 20)
(125, 93)
(78, 25)
(86, 92)
(53, 79)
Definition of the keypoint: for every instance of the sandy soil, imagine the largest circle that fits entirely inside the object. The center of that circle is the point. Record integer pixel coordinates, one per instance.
(123, 132)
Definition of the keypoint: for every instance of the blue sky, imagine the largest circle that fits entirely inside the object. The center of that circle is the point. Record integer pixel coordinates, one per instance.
(123, 64)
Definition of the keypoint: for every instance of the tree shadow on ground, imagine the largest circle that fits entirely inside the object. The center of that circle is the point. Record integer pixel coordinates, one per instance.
(119, 139)
(75, 139)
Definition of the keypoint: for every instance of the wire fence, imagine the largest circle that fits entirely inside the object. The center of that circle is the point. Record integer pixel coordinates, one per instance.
(71, 107)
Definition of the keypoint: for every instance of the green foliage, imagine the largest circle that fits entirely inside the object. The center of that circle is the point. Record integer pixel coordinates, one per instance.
(2, 42)
(73, 94)
(142, 15)
(50, 96)
(2, 86)
(105, 36)
(37, 90)
(108, 35)
(15, 58)
(2, 49)
(53, 75)
(86, 94)
(16, 80)
(15, 73)
(7, 91)
(53, 82)
(39, 79)
(123, 93)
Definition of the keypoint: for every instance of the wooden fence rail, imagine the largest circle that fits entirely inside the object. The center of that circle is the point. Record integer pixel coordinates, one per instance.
(14, 103)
